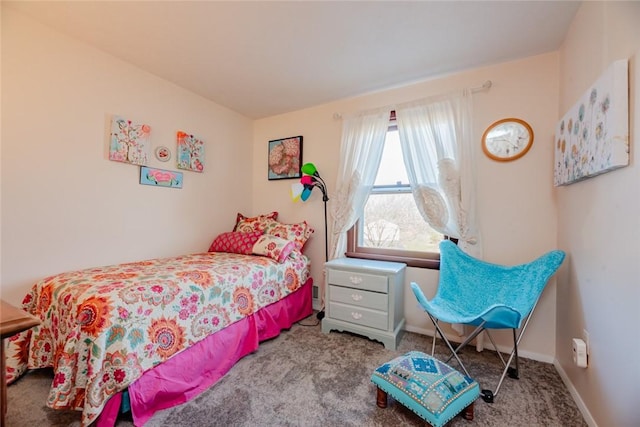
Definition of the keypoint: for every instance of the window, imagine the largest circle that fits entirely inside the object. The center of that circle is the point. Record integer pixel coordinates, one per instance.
(391, 227)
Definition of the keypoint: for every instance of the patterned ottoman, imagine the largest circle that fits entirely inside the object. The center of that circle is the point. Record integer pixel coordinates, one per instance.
(427, 386)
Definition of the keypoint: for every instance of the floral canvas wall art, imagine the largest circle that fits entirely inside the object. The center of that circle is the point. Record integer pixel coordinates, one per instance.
(190, 152)
(285, 158)
(129, 142)
(593, 137)
(160, 177)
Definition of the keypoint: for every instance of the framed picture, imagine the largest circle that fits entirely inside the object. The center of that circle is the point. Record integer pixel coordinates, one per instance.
(160, 177)
(285, 158)
(190, 152)
(129, 142)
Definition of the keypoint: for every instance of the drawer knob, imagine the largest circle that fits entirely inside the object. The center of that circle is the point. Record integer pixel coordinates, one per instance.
(356, 280)
(356, 316)
(356, 297)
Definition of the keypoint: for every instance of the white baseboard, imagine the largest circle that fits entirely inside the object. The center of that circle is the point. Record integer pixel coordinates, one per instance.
(575, 395)
(522, 353)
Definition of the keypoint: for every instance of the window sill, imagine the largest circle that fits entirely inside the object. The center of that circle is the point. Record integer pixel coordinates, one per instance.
(433, 264)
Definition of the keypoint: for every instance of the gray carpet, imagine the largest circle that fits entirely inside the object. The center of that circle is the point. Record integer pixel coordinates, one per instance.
(307, 378)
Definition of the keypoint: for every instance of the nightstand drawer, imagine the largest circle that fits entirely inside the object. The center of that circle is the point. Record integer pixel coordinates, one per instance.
(353, 296)
(359, 315)
(354, 279)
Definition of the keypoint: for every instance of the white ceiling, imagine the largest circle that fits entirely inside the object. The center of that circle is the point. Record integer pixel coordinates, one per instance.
(265, 58)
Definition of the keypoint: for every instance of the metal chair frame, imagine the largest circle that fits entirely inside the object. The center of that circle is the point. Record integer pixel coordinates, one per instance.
(507, 300)
(486, 394)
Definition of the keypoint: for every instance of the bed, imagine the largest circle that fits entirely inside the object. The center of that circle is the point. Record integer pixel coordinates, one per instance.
(153, 334)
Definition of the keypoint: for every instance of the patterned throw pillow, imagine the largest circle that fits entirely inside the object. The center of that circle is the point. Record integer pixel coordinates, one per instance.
(256, 223)
(297, 233)
(274, 247)
(235, 242)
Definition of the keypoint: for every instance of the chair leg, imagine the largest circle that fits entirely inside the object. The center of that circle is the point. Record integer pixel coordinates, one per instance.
(444, 338)
(471, 336)
(433, 342)
(514, 352)
(506, 369)
(496, 348)
(513, 373)
(488, 395)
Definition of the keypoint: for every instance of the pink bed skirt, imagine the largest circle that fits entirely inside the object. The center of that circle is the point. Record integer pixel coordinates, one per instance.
(194, 370)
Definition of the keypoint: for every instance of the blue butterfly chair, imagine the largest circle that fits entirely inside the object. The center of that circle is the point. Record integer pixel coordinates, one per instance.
(487, 296)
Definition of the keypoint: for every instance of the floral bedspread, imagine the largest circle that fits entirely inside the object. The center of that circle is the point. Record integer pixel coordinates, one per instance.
(102, 328)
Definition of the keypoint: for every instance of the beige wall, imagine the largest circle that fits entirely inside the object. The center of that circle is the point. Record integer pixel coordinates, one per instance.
(517, 211)
(64, 205)
(599, 227)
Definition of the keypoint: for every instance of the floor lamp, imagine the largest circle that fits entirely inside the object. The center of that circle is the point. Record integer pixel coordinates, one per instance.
(311, 179)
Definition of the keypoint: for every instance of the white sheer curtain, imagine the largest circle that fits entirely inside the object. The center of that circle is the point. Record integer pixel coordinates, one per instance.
(438, 152)
(435, 135)
(363, 138)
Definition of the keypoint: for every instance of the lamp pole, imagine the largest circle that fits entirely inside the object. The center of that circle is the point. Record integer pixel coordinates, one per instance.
(325, 199)
(319, 182)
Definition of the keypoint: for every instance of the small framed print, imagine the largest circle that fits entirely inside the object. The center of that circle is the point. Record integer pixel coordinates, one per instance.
(285, 158)
(129, 142)
(163, 154)
(160, 177)
(190, 152)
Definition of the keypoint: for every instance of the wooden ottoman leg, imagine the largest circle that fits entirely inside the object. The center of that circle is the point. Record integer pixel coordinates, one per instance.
(467, 413)
(381, 398)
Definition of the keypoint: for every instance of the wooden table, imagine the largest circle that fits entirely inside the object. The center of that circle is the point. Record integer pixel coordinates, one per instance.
(12, 321)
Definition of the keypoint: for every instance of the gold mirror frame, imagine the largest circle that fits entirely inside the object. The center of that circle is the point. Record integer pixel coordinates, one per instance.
(510, 131)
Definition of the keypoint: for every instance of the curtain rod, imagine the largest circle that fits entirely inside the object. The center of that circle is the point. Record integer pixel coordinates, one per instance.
(485, 86)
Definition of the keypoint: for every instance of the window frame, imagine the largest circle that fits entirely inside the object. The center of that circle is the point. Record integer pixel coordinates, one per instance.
(430, 260)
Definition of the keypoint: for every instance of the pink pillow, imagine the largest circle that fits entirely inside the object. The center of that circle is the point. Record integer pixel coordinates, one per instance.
(297, 233)
(274, 247)
(255, 223)
(235, 242)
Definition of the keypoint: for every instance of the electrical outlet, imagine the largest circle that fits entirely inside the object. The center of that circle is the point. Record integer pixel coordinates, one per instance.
(585, 338)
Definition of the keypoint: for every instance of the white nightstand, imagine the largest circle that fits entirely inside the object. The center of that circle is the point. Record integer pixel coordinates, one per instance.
(365, 297)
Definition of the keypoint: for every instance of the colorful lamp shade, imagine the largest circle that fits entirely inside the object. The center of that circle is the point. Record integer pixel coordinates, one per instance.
(306, 193)
(310, 180)
(296, 191)
(309, 169)
(302, 191)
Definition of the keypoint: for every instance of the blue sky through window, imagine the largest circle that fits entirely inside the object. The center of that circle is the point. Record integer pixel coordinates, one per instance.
(392, 168)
